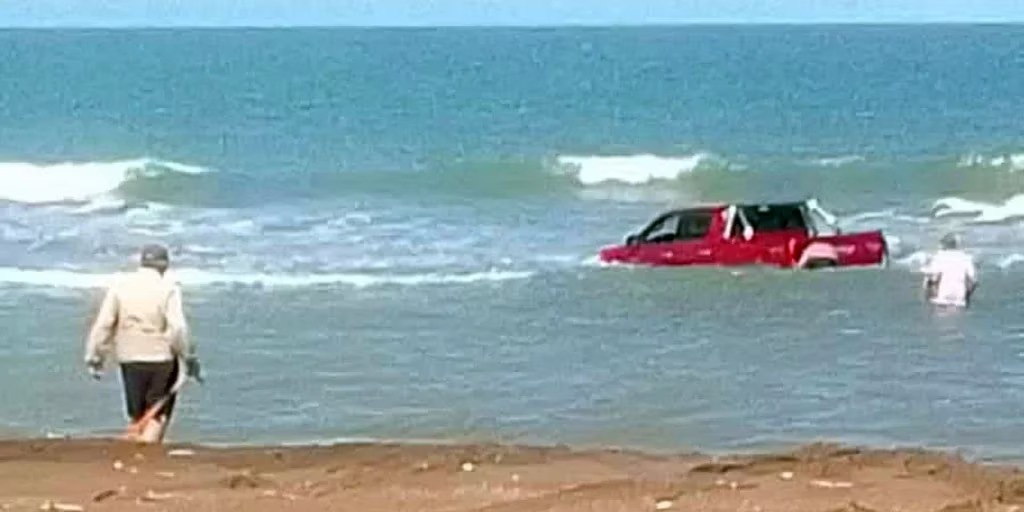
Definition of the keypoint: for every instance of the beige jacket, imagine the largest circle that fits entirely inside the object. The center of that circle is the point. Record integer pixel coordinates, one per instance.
(142, 317)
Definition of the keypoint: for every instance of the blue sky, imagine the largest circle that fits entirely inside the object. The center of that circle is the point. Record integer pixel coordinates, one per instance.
(492, 12)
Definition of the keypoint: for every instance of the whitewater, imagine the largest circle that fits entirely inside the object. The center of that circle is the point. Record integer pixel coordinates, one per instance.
(66, 182)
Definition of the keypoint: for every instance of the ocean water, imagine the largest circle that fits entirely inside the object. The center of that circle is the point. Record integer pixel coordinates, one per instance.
(391, 233)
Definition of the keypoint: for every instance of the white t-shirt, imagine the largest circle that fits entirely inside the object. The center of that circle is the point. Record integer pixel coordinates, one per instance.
(955, 272)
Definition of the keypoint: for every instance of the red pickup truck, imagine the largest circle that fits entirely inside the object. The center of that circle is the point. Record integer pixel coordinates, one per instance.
(788, 235)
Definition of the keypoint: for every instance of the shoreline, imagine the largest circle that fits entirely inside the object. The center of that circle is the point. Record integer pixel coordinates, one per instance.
(99, 474)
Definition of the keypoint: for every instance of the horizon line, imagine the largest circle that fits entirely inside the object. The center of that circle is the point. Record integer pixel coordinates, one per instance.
(668, 24)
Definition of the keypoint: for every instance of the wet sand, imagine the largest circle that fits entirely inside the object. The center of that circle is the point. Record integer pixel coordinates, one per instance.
(108, 475)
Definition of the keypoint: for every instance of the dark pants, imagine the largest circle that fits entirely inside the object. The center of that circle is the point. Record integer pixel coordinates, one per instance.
(145, 384)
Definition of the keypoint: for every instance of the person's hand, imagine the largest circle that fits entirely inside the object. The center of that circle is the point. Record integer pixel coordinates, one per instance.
(193, 369)
(95, 367)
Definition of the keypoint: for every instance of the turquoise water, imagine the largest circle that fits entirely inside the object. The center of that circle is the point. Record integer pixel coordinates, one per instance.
(391, 233)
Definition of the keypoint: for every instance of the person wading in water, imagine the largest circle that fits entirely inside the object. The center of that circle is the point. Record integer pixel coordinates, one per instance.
(142, 321)
(951, 277)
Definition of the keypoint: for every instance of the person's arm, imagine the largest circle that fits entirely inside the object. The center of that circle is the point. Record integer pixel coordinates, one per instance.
(102, 330)
(181, 343)
(930, 280)
(177, 326)
(972, 277)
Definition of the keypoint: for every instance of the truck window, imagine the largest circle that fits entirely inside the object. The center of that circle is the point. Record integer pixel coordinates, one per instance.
(768, 218)
(661, 230)
(694, 226)
(689, 225)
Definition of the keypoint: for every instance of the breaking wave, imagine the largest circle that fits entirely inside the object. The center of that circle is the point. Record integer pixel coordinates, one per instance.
(121, 185)
(71, 182)
(978, 211)
(117, 186)
(634, 169)
(837, 161)
(1009, 161)
(60, 278)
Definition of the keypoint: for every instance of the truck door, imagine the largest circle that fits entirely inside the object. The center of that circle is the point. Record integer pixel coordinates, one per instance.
(779, 232)
(679, 238)
(737, 247)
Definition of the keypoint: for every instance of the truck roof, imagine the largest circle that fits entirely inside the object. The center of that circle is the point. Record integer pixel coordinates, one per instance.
(717, 207)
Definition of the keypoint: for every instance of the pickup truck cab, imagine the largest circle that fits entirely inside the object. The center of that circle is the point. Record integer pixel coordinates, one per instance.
(786, 235)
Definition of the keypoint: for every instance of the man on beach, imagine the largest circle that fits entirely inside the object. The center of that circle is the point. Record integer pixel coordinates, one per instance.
(950, 277)
(142, 321)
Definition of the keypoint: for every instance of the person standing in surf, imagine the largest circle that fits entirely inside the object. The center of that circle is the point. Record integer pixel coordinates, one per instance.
(142, 320)
(950, 278)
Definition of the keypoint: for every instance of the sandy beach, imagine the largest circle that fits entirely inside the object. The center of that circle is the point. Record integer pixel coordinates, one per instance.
(105, 475)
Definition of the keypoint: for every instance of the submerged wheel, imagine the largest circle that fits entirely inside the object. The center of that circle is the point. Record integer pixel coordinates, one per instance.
(820, 263)
(819, 255)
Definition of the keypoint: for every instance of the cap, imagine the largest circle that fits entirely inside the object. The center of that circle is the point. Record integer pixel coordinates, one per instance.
(154, 255)
(949, 241)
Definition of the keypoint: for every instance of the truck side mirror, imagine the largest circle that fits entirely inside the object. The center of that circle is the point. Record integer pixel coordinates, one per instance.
(632, 240)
